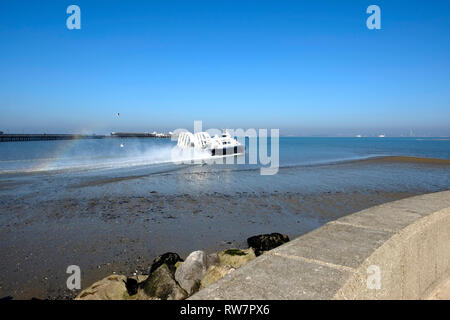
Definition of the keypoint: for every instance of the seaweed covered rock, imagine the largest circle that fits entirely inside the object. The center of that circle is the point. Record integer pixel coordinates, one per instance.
(215, 273)
(169, 258)
(235, 257)
(266, 242)
(115, 287)
(161, 284)
(110, 288)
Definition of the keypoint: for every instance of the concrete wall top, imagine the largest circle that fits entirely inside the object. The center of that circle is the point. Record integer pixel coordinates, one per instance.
(397, 250)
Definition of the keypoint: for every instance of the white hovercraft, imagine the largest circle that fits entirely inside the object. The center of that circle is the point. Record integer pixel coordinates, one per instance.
(216, 146)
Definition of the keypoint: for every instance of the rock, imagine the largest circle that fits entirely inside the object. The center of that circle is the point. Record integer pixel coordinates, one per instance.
(132, 286)
(235, 257)
(141, 278)
(212, 260)
(110, 288)
(191, 271)
(161, 284)
(266, 242)
(215, 273)
(169, 258)
(114, 287)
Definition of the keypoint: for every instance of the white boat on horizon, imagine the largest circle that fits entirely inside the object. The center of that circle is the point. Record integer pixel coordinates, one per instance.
(221, 145)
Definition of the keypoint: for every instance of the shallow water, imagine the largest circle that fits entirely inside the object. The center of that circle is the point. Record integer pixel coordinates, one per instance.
(94, 154)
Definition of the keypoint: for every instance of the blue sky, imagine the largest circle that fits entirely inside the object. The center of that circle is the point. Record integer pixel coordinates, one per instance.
(306, 67)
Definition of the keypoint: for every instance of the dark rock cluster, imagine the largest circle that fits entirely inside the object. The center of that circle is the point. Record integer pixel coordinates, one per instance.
(266, 242)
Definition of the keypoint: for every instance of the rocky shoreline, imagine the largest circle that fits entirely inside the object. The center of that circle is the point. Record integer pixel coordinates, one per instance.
(171, 278)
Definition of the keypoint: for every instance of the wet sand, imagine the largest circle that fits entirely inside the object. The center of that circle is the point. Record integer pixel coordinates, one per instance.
(104, 225)
(405, 159)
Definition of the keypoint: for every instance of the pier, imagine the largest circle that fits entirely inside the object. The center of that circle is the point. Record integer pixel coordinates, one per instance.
(43, 136)
(139, 135)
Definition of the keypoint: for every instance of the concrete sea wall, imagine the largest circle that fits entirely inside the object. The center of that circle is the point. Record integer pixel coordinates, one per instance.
(398, 250)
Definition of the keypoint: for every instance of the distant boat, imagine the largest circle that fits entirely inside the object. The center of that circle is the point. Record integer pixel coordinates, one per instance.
(359, 136)
(382, 136)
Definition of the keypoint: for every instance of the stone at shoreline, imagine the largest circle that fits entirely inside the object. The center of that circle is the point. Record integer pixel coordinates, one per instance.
(110, 288)
(214, 274)
(236, 258)
(212, 259)
(114, 287)
(132, 286)
(172, 279)
(191, 271)
(161, 284)
(169, 258)
(266, 242)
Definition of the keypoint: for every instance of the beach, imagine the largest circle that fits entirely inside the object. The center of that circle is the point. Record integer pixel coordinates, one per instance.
(118, 220)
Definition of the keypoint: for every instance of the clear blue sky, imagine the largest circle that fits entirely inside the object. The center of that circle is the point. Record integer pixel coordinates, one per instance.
(306, 67)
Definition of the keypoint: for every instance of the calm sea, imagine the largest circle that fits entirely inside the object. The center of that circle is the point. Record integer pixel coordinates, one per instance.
(140, 166)
(95, 154)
